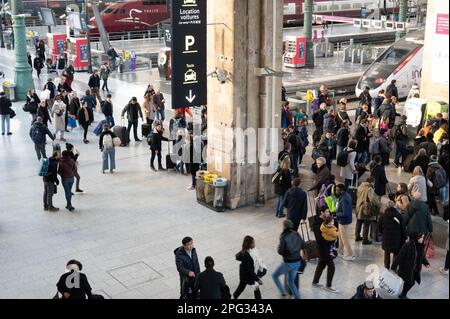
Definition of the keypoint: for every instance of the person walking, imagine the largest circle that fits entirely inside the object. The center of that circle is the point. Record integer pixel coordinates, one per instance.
(344, 216)
(329, 122)
(75, 154)
(51, 183)
(188, 267)
(78, 291)
(94, 85)
(381, 146)
(392, 226)
(210, 284)
(44, 113)
(348, 172)
(67, 169)
(85, 119)
(5, 113)
(247, 274)
(367, 210)
(156, 147)
(32, 104)
(108, 110)
(326, 259)
(378, 172)
(291, 243)
(105, 71)
(282, 184)
(418, 184)
(38, 133)
(61, 64)
(418, 217)
(58, 112)
(409, 262)
(107, 147)
(318, 119)
(38, 65)
(159, 103)
(296, 203)
(74, 106)
(401, 141)
(134, 111)
(293, 138)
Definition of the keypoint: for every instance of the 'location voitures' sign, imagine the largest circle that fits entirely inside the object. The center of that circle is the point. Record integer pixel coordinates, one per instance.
(189, 53)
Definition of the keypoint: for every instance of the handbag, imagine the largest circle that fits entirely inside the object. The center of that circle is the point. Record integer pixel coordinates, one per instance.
(12, 114)
(71, 122)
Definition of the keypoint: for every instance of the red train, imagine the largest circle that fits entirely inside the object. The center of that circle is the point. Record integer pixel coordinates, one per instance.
(135, 15)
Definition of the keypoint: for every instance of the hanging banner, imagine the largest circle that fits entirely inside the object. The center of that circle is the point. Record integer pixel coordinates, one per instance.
(189, 74)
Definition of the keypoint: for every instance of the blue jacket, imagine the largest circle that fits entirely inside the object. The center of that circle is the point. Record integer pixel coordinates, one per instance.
(90, 100)
(39, 139)
(344, 212)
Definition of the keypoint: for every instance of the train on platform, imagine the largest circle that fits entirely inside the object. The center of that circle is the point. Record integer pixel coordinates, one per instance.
(294, 9)
(402, 62)
(142, 15)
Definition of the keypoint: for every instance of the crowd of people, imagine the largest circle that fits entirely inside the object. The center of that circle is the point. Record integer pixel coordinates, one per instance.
(400, 219)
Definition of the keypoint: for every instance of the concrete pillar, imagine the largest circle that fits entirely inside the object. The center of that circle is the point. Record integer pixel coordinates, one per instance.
(402, 17)
(308, 33)
(240, 42)
(23, 76)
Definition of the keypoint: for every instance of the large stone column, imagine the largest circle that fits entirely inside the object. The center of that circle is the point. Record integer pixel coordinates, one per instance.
(402, 17)
(308, 33)
(23, 76)
(241, 42)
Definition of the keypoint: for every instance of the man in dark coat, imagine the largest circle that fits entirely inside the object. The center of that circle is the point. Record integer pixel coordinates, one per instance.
(188, 267)
(419, 217)
(210, 284)
(392, 90)
(81, 290)
(322, 175)
(429, 146)
(392, 226)
(409, 261)
(362, 136)
(94, 85)
(366, 98)
(296, 202)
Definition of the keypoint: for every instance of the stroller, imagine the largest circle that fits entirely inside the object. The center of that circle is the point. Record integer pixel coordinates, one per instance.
(51, 68)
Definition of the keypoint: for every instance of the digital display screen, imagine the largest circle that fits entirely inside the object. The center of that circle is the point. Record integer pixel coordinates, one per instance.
(47, 17)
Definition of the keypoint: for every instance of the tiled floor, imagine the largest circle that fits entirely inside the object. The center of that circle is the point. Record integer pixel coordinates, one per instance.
(127, 226)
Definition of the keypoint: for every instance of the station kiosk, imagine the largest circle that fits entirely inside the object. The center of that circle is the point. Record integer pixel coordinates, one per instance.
(57, 45)
(295, 55)
(78, 53)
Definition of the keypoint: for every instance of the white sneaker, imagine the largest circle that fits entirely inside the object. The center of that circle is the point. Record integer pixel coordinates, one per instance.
(190, 188)
(317, 285)
(349, 258)
(331, 289)
(443, 271)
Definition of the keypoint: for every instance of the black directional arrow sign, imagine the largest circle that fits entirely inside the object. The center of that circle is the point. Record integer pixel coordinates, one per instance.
(189, 53)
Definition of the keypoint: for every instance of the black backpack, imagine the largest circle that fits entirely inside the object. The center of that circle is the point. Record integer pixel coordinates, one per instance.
(342, 159)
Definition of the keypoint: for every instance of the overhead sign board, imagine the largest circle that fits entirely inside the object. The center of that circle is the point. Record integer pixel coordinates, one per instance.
(189, 74)
(47, 16)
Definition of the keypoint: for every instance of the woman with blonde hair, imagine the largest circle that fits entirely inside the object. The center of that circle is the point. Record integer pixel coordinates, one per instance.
(282, 180)
(148, 109)
(401, 197)
(418, 184)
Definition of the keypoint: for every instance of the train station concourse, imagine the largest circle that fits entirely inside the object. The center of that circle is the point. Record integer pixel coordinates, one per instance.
(224, 149)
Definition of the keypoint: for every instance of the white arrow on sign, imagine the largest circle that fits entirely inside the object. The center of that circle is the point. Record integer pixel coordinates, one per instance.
(191, 97)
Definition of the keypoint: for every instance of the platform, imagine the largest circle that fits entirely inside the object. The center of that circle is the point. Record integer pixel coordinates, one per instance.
(127, 225)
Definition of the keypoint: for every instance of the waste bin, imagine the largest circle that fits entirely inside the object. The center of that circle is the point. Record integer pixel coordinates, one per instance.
(220, 186)
(10, 90)
(200, 185)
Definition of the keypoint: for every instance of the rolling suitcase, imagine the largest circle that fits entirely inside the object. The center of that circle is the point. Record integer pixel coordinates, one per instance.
(353, 190)
(146, 129)
(121, 132)
(169, 163)
(311, 250)
(99, 129)
(311, 208)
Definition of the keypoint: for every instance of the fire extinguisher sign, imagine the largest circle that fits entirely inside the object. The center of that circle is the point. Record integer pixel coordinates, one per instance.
(189, 79)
